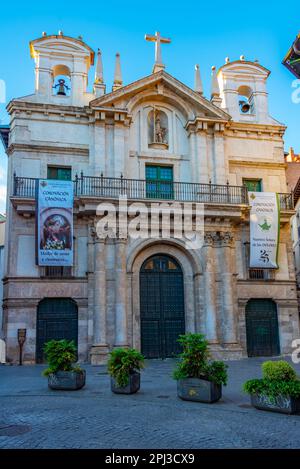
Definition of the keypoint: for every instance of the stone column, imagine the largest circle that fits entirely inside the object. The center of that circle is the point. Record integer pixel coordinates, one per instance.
(121, 339)
(119, 147)
(91, 283)
(229, 320)
(99, 349)
(220, 169)
(99, 144)
(201, 158)
(210, 289)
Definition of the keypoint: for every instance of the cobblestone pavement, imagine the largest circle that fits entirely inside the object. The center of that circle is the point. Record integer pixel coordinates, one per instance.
(32, 416)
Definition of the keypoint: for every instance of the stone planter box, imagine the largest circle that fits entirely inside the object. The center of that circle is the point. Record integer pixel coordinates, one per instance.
(67, 380)
(132, 387)
(199, 390)
(282, 404)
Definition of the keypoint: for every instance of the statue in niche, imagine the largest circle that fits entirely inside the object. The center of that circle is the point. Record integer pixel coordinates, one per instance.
(158, 127)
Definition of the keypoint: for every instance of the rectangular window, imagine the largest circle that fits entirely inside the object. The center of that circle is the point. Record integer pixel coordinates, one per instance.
(253, 185)
(57, 271)
(56, 172)
(159, 182)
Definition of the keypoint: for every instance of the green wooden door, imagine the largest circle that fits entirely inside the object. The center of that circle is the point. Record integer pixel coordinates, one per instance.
(63, 174)
(262, 328)
(159, 183)
(57, 318)
(253, 185)
(161, 307)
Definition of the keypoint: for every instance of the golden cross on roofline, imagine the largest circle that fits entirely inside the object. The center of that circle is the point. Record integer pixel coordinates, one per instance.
(158, 41)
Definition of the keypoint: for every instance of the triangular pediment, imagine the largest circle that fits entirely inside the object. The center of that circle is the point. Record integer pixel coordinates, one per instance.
(161, 85)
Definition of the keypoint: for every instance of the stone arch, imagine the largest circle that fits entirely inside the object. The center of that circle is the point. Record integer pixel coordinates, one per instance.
(246, 101)
(168, 97)
(191, 269)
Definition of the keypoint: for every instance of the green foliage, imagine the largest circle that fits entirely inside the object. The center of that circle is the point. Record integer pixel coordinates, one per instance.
(194, 361)
(279, 378)
(278, 371)
(60, 354)
(217, 372)
(124, 362)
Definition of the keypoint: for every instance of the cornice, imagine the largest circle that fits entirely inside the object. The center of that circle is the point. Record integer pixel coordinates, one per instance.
(255, 127)
(262, 164)
(53, 149)
(27, 106)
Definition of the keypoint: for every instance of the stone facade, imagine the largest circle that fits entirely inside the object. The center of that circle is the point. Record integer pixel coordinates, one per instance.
(106, 135)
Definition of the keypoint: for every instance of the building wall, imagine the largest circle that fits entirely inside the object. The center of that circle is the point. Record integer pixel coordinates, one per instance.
(109, 136)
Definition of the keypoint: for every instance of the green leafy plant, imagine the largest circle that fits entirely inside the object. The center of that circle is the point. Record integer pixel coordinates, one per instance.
(194, 361)
(122, 363)
(60, 355)
(279, 378)
(278, 371)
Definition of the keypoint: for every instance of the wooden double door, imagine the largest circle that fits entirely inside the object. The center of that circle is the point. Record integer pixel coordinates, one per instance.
(161, 306)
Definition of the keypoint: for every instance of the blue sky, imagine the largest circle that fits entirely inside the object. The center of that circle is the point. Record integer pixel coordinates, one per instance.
(201, 32)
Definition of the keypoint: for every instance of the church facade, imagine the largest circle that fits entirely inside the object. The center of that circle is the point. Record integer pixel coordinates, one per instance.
(150, 142)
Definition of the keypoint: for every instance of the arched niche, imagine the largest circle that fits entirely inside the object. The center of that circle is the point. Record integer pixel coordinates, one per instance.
(61, 80)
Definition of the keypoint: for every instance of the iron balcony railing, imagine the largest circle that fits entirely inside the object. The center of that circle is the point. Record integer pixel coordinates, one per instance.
(104, 187)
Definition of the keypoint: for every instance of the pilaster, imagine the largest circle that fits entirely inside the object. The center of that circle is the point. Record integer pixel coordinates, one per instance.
(121, 338)
(99, 349)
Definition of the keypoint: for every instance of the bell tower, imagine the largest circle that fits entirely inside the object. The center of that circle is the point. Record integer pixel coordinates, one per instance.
(243, 90)
(61, 69)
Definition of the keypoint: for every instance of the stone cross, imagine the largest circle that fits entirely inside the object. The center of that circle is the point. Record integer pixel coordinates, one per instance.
(158, 41)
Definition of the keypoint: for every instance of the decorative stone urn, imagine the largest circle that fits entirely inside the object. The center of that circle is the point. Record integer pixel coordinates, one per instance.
(199, 390)
(67, 380)
(132, 387)
(282, 404)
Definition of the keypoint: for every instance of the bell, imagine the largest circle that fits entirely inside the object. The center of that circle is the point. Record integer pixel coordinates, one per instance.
(61, 88)
(245, 107)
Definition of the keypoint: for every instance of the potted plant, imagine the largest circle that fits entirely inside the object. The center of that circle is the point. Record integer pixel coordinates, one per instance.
(198, 378)
(278, 390)
(62, 374)
(124, 367)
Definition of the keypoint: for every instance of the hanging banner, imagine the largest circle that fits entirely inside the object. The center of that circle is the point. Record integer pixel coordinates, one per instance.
(55, 222)
(264, 229)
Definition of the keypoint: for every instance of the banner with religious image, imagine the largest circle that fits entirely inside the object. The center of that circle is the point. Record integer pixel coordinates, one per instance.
(55, 222)
(264, 229)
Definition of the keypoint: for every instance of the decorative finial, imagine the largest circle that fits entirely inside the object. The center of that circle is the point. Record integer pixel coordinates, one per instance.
(242, 57)
(215, 89)
(118, 82)
(80, 38)
(44, 33)
(99, 68)
(60, 33)
(198, 81)
(158, 66)
(227, 60)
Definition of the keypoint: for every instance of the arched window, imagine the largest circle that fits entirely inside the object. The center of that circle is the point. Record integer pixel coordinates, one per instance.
(157, 128)
(246, 102)
(61, 80)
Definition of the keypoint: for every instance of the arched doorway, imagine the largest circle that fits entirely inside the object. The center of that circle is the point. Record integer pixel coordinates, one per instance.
(57, 318)
(262, 328)
(161, 306)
